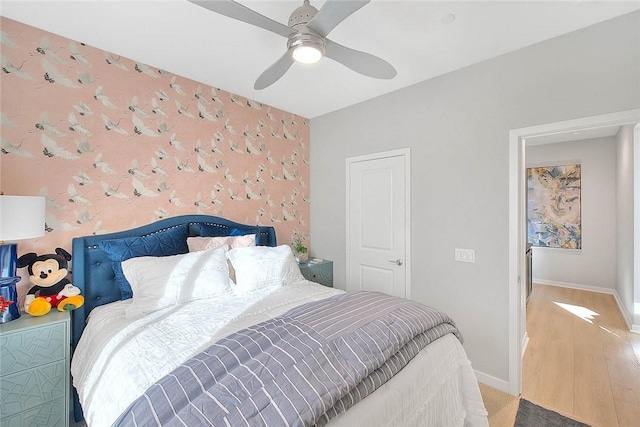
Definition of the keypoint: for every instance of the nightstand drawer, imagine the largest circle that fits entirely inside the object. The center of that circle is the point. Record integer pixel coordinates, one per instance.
(321, 272)
(51, 414)
(34, 370)
(28, 348)
(33, 387)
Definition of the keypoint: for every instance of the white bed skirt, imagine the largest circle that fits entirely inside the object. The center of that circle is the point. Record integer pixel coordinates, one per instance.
(437, 388)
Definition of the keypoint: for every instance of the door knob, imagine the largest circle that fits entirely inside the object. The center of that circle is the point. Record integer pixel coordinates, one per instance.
(397, 262)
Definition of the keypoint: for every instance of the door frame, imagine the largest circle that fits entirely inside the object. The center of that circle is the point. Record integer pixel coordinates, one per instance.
(406, 154)
(518, 218)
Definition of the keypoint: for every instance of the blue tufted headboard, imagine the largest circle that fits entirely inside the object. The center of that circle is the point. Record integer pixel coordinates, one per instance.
(92, 271)
(93, 274)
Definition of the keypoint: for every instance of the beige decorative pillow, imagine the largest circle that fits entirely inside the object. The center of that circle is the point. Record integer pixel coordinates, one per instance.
(204, 243)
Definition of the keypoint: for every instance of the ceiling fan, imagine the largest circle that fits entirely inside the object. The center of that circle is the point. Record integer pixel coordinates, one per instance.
(307, 37)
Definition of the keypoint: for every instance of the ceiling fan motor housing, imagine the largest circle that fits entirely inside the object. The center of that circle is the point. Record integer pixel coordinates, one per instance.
(302, 15)
(305, 35)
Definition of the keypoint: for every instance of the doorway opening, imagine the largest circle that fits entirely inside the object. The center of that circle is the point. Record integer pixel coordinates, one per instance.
(517, 222)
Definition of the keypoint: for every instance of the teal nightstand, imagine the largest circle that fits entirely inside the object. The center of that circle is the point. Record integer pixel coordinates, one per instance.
(320, 272)
(34, 371)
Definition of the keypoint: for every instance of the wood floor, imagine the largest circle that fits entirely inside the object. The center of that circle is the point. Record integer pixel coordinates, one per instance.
(581, 360)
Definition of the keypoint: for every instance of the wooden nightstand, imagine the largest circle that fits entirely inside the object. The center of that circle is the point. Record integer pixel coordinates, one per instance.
(34, 371)
(320, 272)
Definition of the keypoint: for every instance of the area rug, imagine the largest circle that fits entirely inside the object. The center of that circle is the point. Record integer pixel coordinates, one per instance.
(532, 415)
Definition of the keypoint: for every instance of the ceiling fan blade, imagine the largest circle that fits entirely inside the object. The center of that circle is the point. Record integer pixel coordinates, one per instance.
(274, 72)
(360, 62)
(242, 13)
(334, 12)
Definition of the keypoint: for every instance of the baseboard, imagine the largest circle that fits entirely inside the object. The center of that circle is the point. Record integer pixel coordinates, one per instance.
(626, 316)
(575, 286)
(635, 328)
(492, 381)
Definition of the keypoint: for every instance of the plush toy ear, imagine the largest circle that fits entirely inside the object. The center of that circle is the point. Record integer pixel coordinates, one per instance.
(66, 255)
(26, 259)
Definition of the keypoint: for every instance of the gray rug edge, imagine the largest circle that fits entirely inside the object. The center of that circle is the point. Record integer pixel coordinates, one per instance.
(531, 415)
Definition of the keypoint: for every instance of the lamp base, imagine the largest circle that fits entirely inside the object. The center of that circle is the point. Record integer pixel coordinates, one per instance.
(8, 292)
(9, 299)
(8, 260)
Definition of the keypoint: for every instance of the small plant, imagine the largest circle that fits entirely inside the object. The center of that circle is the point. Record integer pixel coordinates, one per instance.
(298, 245)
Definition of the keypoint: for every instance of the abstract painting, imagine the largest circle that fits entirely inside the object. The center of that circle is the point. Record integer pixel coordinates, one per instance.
(553, 206)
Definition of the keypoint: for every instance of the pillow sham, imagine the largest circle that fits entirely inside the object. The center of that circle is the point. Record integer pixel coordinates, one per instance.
(172, 241)
(161, 282)
(262, 266)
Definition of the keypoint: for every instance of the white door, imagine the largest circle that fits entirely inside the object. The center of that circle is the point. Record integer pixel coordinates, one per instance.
(378, 256)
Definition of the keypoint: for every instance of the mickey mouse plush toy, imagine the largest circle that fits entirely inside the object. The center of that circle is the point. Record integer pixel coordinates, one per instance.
(51, 287)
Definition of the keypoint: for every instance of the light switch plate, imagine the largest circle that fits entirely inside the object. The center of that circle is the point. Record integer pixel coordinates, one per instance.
(465, 255)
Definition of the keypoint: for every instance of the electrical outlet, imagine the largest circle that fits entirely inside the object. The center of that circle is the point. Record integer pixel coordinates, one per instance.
(465, 255)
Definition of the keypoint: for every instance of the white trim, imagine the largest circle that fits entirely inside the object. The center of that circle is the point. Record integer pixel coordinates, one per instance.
(406, 154)
(492, 381)
(516, 262)
(599, 289)
(635, 307)
(517, 241)
(525, 343)
(380, 155)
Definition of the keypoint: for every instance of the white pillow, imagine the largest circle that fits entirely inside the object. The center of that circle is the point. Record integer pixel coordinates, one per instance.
(160, 282)
(262, 266)
(203, 243)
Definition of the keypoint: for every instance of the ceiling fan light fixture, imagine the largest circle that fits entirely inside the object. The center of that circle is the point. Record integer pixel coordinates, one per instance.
(306, 54)
(306, 48)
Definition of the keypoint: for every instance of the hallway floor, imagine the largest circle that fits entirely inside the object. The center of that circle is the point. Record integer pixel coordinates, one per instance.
(581, 359)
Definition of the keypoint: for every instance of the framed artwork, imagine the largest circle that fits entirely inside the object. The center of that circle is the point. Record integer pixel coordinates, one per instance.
(553, 206)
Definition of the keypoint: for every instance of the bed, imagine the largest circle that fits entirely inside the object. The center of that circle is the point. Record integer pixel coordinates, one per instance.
(134, 358)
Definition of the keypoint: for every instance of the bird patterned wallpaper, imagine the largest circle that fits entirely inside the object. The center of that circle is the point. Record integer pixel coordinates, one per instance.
(113, 143)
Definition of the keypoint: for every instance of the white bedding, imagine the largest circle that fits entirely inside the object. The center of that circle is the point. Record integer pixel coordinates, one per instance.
(118, 358)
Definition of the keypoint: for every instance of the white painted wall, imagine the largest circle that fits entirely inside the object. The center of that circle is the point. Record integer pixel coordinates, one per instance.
(595, 264)
(457, 126)
(624, 219)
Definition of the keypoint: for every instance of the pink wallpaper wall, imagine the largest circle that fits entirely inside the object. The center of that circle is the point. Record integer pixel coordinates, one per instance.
(113, 143)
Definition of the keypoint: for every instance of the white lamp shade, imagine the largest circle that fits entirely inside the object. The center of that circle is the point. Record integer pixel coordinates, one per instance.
(21, 217)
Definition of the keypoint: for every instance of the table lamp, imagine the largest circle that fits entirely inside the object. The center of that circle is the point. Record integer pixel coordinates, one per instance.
(21, 217)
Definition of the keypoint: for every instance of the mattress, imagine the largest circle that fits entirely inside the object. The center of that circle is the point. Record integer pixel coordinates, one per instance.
(118, 358)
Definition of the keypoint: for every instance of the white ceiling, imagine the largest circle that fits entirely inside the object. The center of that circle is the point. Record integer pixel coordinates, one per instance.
(185, 39)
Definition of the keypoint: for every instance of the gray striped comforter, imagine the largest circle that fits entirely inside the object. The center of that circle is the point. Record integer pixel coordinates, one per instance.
(299, 369)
